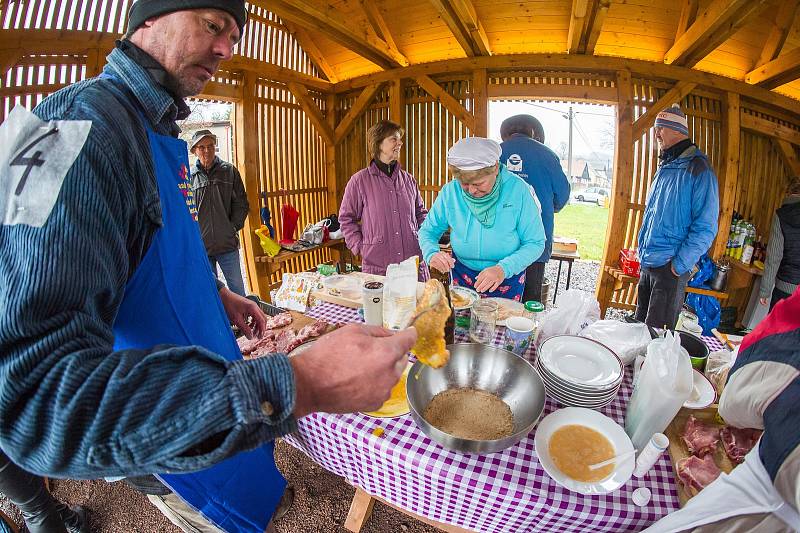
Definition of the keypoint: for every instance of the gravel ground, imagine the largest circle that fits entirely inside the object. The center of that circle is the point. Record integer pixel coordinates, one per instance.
(321, 500)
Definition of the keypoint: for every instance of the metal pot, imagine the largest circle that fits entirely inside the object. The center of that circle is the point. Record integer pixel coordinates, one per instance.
(500, 372)
(720, 279)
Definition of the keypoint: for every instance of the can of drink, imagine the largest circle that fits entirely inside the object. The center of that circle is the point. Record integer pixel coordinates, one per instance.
(372, 295)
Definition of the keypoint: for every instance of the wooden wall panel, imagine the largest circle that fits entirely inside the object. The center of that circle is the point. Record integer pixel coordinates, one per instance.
(291, 164)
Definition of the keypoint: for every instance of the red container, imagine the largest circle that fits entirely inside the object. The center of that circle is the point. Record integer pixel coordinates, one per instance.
(629, 262)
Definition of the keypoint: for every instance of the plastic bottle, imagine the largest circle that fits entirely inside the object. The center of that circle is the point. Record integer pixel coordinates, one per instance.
(747, 249)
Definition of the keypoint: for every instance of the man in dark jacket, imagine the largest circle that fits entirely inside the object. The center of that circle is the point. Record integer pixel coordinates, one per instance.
(221, 208)
(525, 155)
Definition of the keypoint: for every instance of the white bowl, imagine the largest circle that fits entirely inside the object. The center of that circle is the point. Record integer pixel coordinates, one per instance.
(702, 387)
(598, 422)
(581, 361)
(464, 292)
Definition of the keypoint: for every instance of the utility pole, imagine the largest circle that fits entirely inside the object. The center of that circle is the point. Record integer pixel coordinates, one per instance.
(569, 150)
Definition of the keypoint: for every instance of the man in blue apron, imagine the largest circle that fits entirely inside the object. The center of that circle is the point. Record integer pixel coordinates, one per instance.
(117, 354)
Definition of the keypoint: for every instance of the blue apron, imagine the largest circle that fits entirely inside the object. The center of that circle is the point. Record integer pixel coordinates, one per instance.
(510, 288)
(172, 298)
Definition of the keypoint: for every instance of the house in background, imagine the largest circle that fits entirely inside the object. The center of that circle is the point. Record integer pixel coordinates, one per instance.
(584, 174)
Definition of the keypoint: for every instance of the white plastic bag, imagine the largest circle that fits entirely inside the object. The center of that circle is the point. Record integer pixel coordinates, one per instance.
(576, 310)
(718, 365)
(626, 340)
(400, 293)
(664, 385)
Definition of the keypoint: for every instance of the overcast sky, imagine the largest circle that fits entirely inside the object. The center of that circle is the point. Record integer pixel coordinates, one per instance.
(593, 125)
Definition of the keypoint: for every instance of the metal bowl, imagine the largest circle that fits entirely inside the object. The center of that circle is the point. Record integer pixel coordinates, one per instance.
(498, 371)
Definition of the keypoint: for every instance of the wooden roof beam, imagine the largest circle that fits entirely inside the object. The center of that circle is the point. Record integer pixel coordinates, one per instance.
(784, 19)
(789, 155)
(675, 95)
(379, 23)
(313, 112)
(577, 22)
(359, 106)
(770, 128)
(688, 15)
(720, 20)
(586, 22)
(782, 70)
(447, 100)
(462, 19)
(322, 18)
(312, 51)
(595, 25)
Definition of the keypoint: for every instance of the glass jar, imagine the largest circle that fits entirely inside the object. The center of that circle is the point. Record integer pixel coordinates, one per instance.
(483, 321)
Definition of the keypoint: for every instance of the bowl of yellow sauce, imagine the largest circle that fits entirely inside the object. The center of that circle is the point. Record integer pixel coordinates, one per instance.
(569, 440)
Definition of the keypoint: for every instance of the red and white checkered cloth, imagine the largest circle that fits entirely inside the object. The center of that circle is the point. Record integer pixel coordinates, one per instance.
(507, 491)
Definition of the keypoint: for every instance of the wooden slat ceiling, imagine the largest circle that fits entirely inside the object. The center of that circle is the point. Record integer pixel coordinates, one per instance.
(751, 40)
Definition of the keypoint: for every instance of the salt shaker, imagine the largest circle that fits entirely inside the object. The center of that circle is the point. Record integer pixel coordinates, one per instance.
(650, 454)
(373, 303)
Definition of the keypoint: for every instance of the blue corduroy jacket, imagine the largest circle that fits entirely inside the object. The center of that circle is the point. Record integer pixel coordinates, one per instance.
(69, 405)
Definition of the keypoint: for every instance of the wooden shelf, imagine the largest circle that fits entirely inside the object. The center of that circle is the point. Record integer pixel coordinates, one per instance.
(619, 275)
(285, 255)
(747, 268)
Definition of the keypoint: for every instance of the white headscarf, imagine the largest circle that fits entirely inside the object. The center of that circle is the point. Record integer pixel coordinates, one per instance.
(474, 153)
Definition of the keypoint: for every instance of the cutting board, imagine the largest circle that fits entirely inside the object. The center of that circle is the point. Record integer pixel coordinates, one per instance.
(355, 303)
(677, 449)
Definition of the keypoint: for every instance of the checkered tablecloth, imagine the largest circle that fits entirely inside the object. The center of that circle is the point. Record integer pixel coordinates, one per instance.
(507, 491)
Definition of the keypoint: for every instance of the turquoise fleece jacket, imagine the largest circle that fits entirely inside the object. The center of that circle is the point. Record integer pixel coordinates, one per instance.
(515, 240)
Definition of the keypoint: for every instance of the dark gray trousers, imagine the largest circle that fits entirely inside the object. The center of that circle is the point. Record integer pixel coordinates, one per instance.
(660, 296)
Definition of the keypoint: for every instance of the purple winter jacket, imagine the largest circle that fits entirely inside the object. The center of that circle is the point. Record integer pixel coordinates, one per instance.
(390, 212)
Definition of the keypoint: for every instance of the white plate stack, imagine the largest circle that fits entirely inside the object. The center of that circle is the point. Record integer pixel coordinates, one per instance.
(579, 372)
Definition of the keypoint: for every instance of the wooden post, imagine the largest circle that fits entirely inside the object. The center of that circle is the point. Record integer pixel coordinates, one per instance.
(246, 146)
(397, 110)
(621, 188)
(360, 511)
(93, 63)
(330, 156)
(729, 177)
(480, 90)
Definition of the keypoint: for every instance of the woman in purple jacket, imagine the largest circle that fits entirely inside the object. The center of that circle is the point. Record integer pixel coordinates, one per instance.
(382, 208)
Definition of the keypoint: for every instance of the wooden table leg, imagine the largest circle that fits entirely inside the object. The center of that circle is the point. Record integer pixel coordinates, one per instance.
(360, 510)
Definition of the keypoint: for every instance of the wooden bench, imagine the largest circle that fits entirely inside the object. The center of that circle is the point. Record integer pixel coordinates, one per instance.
(624, 283)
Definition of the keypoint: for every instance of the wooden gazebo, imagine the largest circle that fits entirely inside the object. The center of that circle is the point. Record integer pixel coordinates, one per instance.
(310, 76)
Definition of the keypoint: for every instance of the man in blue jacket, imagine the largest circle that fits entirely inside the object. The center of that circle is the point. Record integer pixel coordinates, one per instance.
(526, 156)
(680, 221)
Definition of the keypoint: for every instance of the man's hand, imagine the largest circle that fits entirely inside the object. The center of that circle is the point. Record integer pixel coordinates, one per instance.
(351, 369)
(239, 309)
(672, 269)
(764, 301)
(443, 262)
(489, 279)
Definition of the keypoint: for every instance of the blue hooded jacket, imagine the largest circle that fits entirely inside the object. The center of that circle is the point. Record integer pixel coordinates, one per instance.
(538, 165)
(680, 218)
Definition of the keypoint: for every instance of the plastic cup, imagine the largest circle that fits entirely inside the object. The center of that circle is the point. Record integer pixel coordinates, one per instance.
(519, 331)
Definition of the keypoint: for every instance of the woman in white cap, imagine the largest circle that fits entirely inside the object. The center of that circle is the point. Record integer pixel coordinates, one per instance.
(495, 224)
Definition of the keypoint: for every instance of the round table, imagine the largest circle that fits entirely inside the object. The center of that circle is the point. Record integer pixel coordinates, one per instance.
(507, 491)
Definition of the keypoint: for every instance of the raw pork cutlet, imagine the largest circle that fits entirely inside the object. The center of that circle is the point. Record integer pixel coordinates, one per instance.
(249, 346)
(700, 438)
(738, 441)
(287, 340)
(279, 320)
(695, 473)
(265, 348)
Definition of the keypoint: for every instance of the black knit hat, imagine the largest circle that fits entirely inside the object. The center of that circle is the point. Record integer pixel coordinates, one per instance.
(147, 9)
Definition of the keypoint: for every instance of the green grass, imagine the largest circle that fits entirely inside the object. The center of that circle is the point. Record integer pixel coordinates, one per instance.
(586, 223)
